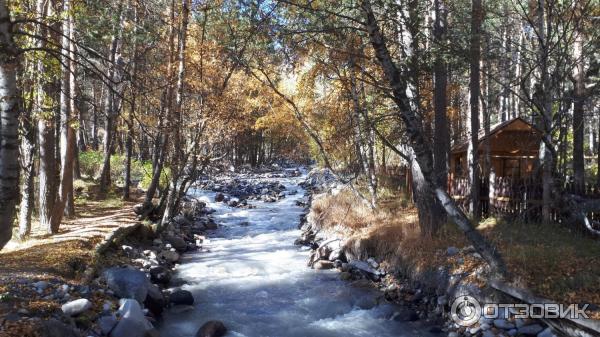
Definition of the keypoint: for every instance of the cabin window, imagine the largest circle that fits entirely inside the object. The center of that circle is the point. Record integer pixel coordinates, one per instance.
(512, 167)
(458, 168)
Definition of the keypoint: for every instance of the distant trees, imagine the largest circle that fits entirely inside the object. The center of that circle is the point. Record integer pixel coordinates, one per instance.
(91, 76)
(369, 83)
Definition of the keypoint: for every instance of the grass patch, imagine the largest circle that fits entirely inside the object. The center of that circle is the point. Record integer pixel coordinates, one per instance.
(91, 162)
(550, 259)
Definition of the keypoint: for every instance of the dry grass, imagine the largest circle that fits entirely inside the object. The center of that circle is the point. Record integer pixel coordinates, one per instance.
(551, 260)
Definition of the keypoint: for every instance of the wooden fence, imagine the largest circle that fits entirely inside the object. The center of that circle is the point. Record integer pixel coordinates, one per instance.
(512, 198)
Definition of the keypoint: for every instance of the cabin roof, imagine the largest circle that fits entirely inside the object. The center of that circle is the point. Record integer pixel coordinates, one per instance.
(514, 124)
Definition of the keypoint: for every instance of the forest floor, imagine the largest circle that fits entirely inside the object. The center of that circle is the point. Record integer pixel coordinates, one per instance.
(58, 259)
(549, 259)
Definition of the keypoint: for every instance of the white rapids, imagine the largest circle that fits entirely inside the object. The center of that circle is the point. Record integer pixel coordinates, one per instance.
(255, 280)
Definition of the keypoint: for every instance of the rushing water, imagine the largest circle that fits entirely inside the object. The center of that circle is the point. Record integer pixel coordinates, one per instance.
(253, 278)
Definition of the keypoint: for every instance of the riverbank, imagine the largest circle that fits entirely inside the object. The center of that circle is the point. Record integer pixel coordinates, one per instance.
(426, 274)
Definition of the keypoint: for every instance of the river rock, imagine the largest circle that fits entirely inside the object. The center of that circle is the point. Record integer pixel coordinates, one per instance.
(182, 220)
(323, 264)
(160, 274)
(219, 197)
(451, 251)
(155, 301)
(181, 297)
(133, 323)
(76, 307)
(40, 286)
(107, 323)
(178, 243)
(56, 328)
(127, 282)
(362, 265)
(168, 256)
(212, 329)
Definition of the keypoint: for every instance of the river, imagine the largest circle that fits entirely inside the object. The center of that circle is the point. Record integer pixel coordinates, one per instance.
(254, 279)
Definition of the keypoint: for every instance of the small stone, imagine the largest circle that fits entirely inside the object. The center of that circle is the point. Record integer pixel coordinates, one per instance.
(373, 263)
(132, 322)
(453, 334)
(76, 307)
(512, 332)
(322, 264)
(181, 297)
(475, 330)
(40, 285)
(451, 251)
(107, 306)
(212, 329)
(169, 256)
(160, 274)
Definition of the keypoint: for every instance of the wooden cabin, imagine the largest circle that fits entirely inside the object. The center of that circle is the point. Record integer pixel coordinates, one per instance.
(514, 148)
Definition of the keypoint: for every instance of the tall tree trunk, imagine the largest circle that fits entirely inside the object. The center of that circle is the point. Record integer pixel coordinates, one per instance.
(361, 137)
(423, 155)
(129, 139)
(544, 104)
(441, 136)
(95, 117)
(578, 119)
(474, 90)
(9, 117)
(28, 174)
(67, 134)
(178, 163)
(46, 135)
(113, 105)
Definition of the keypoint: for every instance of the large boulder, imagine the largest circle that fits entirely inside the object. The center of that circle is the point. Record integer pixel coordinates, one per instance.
(212, 329)
(181, 297)
(127, 282)
(133, 323)
(76, 307)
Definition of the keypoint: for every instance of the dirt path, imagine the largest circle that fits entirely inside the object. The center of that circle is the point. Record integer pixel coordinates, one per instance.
(64, 254)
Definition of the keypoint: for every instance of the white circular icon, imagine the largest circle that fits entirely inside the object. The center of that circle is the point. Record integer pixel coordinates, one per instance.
(465, 310)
